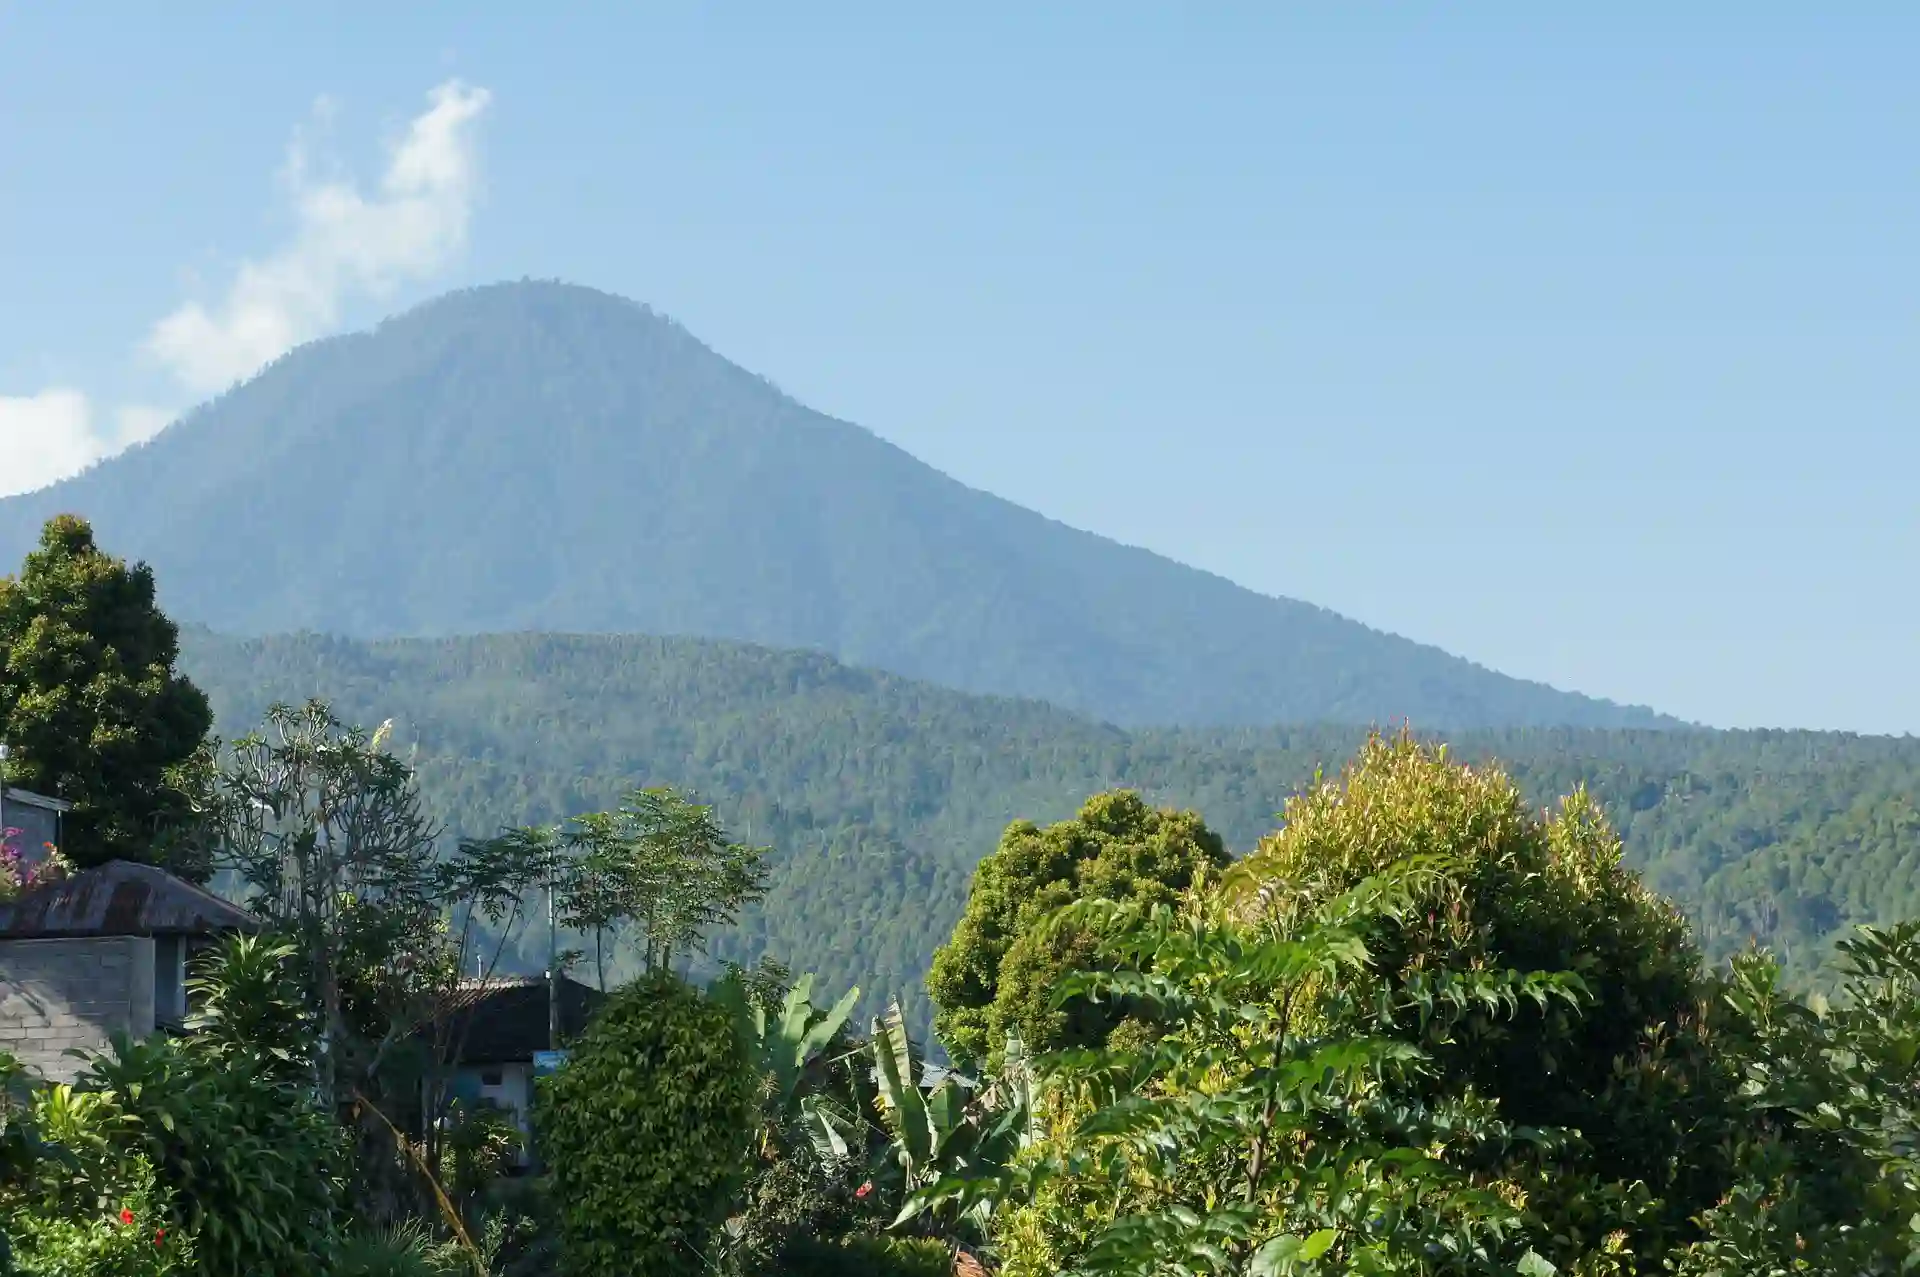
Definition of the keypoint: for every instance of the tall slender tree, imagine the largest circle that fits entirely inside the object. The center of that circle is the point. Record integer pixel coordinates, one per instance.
(327, 829)
(92, 706)
(664, 864)
(660, 864)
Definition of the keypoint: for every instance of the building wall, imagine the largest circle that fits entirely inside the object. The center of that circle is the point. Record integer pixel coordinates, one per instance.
(505, 1086)
(60, 995)
(38, 826)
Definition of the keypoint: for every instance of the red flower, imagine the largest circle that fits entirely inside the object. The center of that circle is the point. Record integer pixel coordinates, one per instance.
(126, 1216)
(864, 1189)
(159, 1236)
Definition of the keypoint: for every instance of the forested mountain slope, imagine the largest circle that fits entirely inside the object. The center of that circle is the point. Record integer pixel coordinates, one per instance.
(879, 794)
(545, 457)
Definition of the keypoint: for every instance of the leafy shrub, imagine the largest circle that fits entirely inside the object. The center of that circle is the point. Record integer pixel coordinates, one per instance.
(247, 1000)
(228, 1121)
(647, 1130)
(1236, 1142)
(998, 972)
(868, 1257)
(132, 1236)
(249, 1158)
(480, 1142)
(1830, 1119)
(518, 1230)
(788, 1202)
(402, 1250)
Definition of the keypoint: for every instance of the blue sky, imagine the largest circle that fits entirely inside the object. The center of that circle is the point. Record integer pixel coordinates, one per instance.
(1580, 344)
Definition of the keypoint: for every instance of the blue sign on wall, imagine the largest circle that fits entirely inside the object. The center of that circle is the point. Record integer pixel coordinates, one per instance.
(545, 1062)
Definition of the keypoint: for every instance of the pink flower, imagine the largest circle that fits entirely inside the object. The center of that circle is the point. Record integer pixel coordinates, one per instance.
(864, 1189)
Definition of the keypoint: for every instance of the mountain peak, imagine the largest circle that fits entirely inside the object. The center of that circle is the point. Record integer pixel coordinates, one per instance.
(545, 456)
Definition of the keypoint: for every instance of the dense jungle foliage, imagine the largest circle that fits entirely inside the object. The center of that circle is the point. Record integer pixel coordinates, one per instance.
(878, 795)
(1431, 1022)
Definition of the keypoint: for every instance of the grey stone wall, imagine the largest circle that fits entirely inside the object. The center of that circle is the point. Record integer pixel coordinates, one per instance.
(58, 995)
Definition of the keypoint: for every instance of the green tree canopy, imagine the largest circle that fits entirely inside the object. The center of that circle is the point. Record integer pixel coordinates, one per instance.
(662, 863)
(91, 706)
(1518, 890)
(998, 972)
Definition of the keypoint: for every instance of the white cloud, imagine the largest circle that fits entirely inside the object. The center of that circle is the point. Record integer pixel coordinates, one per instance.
(345, 243)
(48, 436)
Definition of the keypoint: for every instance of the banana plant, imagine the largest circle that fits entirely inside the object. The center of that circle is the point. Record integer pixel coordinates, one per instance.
(949, 1136)
(783, 1047)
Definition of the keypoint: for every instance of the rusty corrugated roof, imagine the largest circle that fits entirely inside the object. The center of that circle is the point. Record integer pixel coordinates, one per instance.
(120, 898)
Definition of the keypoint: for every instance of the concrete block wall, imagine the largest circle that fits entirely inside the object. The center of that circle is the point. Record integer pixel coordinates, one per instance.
(37, 827)
(60, 995)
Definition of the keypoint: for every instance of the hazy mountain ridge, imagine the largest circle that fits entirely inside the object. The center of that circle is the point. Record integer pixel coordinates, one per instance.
(542, 457)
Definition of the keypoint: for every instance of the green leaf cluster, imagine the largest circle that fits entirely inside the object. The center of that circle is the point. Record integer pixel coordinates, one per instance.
(229, 1122)
(1520, 891)
(92, 708)
(647, 1131)
(1279, 1122)
(127, 1233)
(998, 973)
(658, 862)
(1827, 1144)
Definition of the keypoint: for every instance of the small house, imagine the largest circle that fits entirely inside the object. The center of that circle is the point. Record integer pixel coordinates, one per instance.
(499, 1034)
(100, 952)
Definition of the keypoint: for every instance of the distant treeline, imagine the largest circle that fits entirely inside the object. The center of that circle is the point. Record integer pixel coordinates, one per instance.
(879, 794)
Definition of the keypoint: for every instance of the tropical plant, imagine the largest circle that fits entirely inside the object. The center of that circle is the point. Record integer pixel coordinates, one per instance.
(404, 1249)
(326, 829)
(1277, 1122)
(245, 999)
(133, 1235)
(25, 1144)
(250, 1160)
(998, 972)
(1628, 1067)
(799, 1187)
(957, 1133)
(659, 862)
(785, 1047)
(92, 1136)
(647, 1130)
(1827, 1166)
